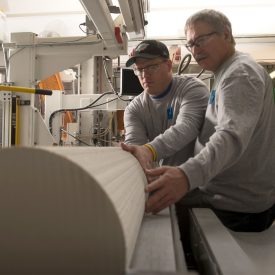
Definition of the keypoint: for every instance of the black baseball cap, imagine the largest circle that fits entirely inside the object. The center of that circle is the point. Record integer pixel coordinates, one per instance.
(148, 49)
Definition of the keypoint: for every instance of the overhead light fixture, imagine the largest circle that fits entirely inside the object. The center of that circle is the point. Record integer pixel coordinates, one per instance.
(133, 15)
(99, 14)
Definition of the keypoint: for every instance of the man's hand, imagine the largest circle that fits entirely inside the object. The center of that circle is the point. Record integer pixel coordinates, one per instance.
(169, 187)
(143, 155)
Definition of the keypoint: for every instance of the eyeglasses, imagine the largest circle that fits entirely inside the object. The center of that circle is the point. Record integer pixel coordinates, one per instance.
(148, 69)
(199, 41)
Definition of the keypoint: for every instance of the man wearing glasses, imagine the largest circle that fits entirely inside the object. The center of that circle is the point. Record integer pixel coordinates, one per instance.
(232, 171)
(166, 118)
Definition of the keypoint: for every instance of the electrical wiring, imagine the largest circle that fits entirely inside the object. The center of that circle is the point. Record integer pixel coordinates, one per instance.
(76, 138)
(66, 43)
(104, 140)
(200, 73)
(80, 109)
(184, 63)
(110, 83)
(104, 102)
(91, 105)
(22, 47)
(6, 62)
(83, 24)
(100, 136)
(105, 132)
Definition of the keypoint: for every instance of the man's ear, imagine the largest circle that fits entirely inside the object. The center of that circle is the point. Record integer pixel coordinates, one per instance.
(169, 64)
(132, 52)
(227, 34)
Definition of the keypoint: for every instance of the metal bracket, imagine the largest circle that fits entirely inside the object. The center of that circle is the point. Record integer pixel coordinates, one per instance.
(24, 102)
(5, 96)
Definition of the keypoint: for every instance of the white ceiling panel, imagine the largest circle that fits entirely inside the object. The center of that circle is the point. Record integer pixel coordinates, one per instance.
(166, 19)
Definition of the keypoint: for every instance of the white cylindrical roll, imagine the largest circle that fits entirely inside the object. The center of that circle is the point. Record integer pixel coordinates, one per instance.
(69, 209)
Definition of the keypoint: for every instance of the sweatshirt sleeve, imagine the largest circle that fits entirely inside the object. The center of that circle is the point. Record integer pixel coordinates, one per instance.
(135, 128)
(237, 109)
(192, 98)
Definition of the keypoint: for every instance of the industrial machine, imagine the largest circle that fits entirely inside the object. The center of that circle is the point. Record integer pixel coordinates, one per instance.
(43, 57)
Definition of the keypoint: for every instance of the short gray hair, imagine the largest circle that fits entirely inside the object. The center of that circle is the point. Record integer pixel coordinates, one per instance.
(214, 18)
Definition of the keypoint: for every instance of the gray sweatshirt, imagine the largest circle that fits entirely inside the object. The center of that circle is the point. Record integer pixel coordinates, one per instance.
(234, 164)
(170, 123)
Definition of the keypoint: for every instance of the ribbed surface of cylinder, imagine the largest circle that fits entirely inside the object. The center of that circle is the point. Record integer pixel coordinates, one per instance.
(69, 210)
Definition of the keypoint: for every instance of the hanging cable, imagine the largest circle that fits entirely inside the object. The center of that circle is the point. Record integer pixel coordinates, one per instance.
(76, 138)
(91, 105)
(184, 63)
(6, 62)
(77, 109)
(110, 82)
(200, 73)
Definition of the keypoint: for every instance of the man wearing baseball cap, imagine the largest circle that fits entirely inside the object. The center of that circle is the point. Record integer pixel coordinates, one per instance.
(148, 49)
(162, 123)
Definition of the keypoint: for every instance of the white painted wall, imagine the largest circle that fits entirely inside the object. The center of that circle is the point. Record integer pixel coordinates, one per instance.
(42, 17)
(39, 6)
(247, 16)
(62, 17)
(165, 18)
